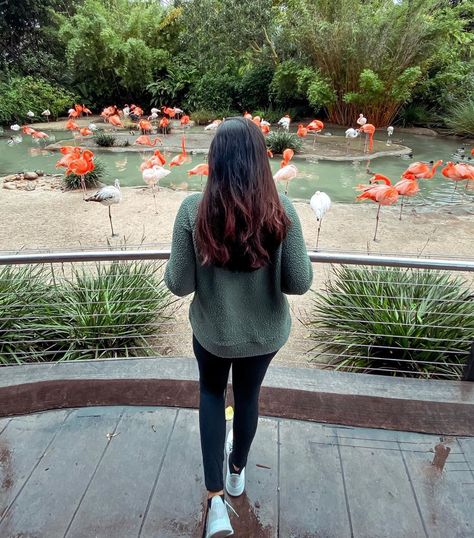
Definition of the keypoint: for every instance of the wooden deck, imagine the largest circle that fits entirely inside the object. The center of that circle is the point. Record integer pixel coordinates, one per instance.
(61, 475)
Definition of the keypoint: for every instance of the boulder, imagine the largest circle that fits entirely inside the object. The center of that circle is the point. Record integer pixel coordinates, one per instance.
(30, 175)
(11, 177)
(39, 172)
(30, 187)
(10, 186)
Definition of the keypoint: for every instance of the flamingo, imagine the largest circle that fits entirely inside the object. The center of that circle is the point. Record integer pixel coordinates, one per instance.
(157, 160)
(269, 153)
(164, 122)
(369, 131)
(30, 114)
(27, 130)
(145, 140)
(248, 116)
(257, 120)
(46, 113)
(145, 126)
(81, 166)
(108, 196)
(406, 187)
(284, 122)
(39, 135)
(264, 128)
(178, 111)
(70, 153)
(315, 126)
(115, 120)
(182, 157)
(86, 111)
(361, 120)
(184, 120)
(92, 126)
(302, 131)
(151, 176)
(72, 126)
(286, 173)
(199, 170)
(15, 127)
(320, 204)
(85, 131)
(390, 130)
(421, 170)
(213, 125)
(458, 172)
(287, 156)
(381, 194)
(168, 111)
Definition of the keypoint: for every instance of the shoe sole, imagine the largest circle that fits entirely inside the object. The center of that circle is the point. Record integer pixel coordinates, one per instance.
(221, 534)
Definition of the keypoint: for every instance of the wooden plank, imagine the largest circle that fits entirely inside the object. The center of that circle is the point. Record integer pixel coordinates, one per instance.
(115, 500)
(45, 507)
(312, 501)
(444, 500)
(380, 498)
(178, 504)
(22, 446)
(258, 506)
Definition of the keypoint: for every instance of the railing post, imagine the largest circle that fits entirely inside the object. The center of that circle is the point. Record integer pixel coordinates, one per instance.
(468, 374)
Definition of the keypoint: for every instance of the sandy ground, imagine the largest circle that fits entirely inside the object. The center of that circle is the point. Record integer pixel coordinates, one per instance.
(58, 220)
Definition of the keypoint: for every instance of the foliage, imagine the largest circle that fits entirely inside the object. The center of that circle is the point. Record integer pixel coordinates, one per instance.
(215, 91)
(203, 116)
(91, 179)
(416, 115)
(18, 95)
(460, 118)
(172, 86)
(284, 86)
(105, 140)
(272, 115)
(278, 141)
(107, 312)
(254, 86)
(110, 312)
(388, 318)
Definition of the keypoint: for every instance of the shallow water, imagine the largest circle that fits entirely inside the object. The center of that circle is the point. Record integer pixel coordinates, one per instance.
(337, 179)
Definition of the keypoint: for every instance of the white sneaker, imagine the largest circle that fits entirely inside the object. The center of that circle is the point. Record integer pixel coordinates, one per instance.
(234, 482)
(218, 522)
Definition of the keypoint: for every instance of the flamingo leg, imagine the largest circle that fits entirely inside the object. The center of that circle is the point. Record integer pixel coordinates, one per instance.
(111, 225)
(83, 187)
(154, 197)
(201, 182)
(286, 188)
(377, 222)
(401, 207)
(319, 231)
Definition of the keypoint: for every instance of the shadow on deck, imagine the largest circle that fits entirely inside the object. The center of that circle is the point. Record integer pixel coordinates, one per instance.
(130, 471)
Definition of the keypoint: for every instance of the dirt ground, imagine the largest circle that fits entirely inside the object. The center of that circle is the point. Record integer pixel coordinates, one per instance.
(62, 220)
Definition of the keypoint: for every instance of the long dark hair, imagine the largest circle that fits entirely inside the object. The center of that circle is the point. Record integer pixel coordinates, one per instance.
(240, 219)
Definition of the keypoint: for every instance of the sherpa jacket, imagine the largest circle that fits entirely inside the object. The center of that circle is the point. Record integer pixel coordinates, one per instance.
(233, 313)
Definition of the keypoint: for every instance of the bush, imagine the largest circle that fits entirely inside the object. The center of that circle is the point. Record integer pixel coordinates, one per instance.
(388, 318)
(204, 116)
(270, 114)
(18, 95)
(460, 118)
(92, 179)
(254, 87)
(107, 312)
(416, 115)
(278, 141)
(105, 140)
(214, 91)
(111, 312)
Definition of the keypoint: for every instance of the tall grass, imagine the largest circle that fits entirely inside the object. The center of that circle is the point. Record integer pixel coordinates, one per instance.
(460, 118)
(393, 319)
(278, 141)
(92, 179)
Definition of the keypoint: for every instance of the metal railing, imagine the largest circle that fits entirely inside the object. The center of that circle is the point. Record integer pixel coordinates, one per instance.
(365, 313)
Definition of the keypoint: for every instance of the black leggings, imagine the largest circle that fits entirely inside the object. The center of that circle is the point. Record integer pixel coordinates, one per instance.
(247, 376)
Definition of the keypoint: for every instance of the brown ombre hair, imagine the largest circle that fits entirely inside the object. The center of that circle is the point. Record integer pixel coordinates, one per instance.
(240, 219)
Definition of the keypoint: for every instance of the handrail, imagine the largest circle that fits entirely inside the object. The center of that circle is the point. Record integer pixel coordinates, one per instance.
(164, 254)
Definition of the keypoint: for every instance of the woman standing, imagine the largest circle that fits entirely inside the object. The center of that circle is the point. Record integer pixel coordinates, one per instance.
(239, 247)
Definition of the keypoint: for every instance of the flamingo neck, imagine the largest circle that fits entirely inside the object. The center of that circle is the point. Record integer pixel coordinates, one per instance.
(380, 177)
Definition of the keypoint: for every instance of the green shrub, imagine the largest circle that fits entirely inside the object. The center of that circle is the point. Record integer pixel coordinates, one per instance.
(416, 115)
(23, 299)
(105, 140)
(460, 118)
(278, 141)
(18, 95)
(204, 116)
(214, 91)
(388, 318)
(92, 179)
(110, 312)
(254, 87)
(270, 114)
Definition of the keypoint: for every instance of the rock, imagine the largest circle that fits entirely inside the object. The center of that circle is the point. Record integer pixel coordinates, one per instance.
(11, 177)
(30, 187)
(9, 186)
(30, 175)
(39, 172)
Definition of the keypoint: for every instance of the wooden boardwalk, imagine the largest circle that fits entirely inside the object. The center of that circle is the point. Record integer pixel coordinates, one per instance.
(129, 472)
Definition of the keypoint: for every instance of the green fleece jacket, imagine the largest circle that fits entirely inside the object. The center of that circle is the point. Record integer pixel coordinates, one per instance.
(233, 313)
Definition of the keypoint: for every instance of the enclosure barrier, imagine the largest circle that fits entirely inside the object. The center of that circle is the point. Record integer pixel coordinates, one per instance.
(114, 313)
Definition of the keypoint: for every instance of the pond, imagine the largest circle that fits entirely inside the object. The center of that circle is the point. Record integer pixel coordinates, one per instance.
(337, 179)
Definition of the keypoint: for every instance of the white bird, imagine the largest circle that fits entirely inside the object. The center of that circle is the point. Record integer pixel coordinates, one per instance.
(108, 196)
(30, 114)
(126, 111)
(320, 204)
(71, 111)
(352, 133)
(153, 116)
(178, 111)
(265, 123)
(212, 126)
(152, 176)
(285, 122)
(46, 113)
(15, 127)
(361, 120)
(286, 173)
(92, 126)
(390, 130)
(155, 111)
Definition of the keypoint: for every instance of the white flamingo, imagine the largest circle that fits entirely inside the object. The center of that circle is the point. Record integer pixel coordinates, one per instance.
(92, 126)
(155, 110)
(15, 127)
(361, 120)
(350, 134)
(284, 122)
(46, 113)
(286, 173)
(152, 176)
(213, 126)
(108, 196)
(320, 204)
(30, 114)
(390, 130)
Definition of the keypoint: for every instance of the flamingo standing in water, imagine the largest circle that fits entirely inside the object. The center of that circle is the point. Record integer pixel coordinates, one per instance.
(71, 125)
(115, 120)
(458, 172)
(145, 140)
(406, 187)
(421, 170)
(199, 170)
(385, 194)
(350, 134)
(320, 204)
(108, 196)
(182, 157)
(145, 126)
(284, 122)
(315, 126)
(152, 176)
(286, 173)
(302, 131)
(287, 156)
(85, 131)
(369, 131)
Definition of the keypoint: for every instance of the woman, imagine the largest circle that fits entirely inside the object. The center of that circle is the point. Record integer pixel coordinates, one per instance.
(239, 247)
